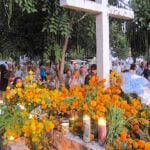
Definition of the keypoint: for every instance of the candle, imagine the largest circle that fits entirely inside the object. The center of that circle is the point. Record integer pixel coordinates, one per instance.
(31, 116)
(72, 121)
(76, 115)
(101, 130)
(65, 128)
(11, 139)
(86, 128)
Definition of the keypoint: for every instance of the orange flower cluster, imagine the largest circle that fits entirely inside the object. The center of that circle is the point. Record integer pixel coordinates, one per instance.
(93, 100)
(131, 144)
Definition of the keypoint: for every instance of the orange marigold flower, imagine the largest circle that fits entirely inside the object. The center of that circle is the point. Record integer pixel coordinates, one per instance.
(93, 103)
(85, 107)
(136, 127)
(129, 147)
(117, 141)
(130, 141)
(108, 147)
(135, 145)
(141, 143)
(147, 146)
(95, 117)
(91, 136)
(135, 121)
(123, 136)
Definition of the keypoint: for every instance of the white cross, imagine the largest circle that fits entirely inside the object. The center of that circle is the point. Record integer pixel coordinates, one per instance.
(102, 10)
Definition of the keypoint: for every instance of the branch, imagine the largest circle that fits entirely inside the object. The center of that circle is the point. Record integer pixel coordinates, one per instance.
(5, 8)
(80, 19)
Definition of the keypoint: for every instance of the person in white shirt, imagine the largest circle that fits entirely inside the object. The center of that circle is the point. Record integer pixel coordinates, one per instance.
(19, 72)
(82, 75)
(141, 68)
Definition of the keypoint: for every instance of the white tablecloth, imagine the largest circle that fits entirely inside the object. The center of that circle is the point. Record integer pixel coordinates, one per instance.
(145, 98)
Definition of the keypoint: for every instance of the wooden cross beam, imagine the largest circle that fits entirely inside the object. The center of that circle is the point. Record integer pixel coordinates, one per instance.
(102, 10)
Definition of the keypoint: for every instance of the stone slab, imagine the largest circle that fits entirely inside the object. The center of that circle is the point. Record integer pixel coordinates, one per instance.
(71, 142)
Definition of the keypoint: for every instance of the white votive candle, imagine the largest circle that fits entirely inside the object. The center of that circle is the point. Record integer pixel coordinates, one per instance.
(86, 128)
(65, 128)
(11, 139)
(101, 130)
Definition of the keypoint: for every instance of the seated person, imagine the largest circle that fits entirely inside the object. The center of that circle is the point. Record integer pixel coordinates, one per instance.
(147, 71)
(141, 68)
(68, 78)
(18, 82)
(75, 79)
(93, 72)
(133, 69)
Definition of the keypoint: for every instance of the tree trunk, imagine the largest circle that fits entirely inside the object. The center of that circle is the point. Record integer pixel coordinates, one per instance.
(63, 55)
(146, 45)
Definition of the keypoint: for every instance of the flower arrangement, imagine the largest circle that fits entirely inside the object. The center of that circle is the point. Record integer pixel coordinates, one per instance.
(33, 112)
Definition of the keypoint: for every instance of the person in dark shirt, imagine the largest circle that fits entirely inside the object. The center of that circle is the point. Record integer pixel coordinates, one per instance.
(147, 71)
(68, 78)
(4, 77)
(93, 72)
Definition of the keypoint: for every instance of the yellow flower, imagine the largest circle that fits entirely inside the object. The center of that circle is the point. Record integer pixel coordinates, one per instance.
(8, 96)
(14, 91)
(19, 85)
(33, 126)
(8, 88)
(40, 83)
(34, 85)
(35, 139)
(31, 78)
(30, 72)
(49, 126)
(143, 114)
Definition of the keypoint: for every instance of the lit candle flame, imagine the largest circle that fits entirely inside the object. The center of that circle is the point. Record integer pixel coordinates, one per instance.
(72, 118)
(86, 117)
(102, 121)
(65, 124)
(11, 138)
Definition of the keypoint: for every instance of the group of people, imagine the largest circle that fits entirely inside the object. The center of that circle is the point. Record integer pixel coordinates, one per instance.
(80, 76)
(74, 74)
(47, 74)
(142, 70)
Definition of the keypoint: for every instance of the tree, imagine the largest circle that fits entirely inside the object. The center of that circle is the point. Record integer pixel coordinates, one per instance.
(139, 29)
(118, 41)
(23, 34)
(58, 24)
